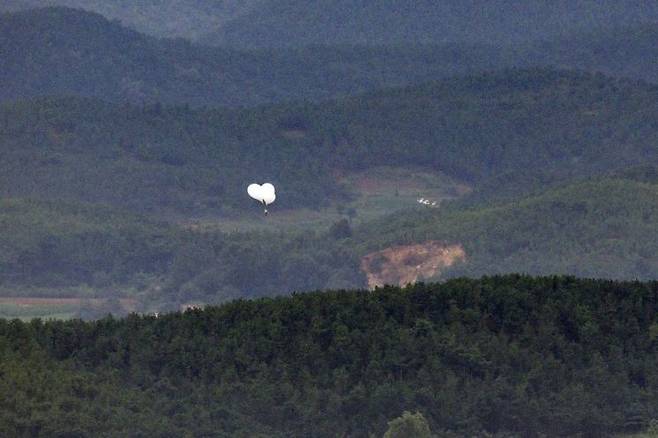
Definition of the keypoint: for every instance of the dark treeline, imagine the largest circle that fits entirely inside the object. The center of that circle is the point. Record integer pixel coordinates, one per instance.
(508, 356)
(390, 22)
(594, 228)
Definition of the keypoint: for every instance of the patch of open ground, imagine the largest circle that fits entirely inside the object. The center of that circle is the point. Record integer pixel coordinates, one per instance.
(404, 264)
(54, 308)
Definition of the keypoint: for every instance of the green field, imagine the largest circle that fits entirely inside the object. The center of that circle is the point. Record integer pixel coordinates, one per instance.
(374, 193)
(26, 312)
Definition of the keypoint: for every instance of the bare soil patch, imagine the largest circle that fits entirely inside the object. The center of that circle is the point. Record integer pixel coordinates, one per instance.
(400, 265)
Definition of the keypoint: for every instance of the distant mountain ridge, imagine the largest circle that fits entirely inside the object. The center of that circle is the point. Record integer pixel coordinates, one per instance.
(280, 23)
(169, 18)
(61, 51)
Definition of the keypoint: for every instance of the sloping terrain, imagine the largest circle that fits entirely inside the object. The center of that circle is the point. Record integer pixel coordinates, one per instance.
(165, 18)
(598, 228)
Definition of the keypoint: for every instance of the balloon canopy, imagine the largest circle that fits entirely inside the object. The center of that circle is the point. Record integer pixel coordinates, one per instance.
(262, 193)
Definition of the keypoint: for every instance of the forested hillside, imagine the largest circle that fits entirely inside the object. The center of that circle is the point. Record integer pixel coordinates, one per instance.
(503, 133)
(507, 356)
(60, 51)
(597, 228)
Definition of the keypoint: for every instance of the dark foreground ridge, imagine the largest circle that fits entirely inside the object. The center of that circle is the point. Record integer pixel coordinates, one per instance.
(503, 355)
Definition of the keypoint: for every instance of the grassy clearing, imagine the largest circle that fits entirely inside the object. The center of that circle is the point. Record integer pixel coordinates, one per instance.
(26, 308)
(30, 311)
(374, 193)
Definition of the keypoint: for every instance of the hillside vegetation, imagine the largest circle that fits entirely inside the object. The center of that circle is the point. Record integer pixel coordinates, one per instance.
(598, 228)
(506, 356)
(602, 227)
(60, 51)
(624, 51)
(503, 133)
(56, 249)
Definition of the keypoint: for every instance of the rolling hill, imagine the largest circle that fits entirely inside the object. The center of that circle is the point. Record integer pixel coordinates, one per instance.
(286, 23)
(504, 133)
(61, 51)
(601, 227)
(596, 228)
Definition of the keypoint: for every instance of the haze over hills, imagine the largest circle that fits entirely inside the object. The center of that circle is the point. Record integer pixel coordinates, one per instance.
(281, 23)
(292, 23)
(57, 51)
(169, 18)
(625, 51)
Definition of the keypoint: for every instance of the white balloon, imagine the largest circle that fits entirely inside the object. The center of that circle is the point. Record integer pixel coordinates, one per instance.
(264, 194)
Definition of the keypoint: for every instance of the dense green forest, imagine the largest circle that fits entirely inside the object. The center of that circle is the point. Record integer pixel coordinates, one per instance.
(504, 133)
(625, 51)
(505, 356)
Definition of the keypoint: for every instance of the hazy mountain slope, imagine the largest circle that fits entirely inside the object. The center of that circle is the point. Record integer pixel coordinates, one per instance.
(300, 22)
(57, 51)
(166, 18)
(501, 356)
(518, 129)
(622, 51)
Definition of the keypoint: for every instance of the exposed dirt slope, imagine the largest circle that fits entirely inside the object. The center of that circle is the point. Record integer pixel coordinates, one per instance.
(400, 265)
